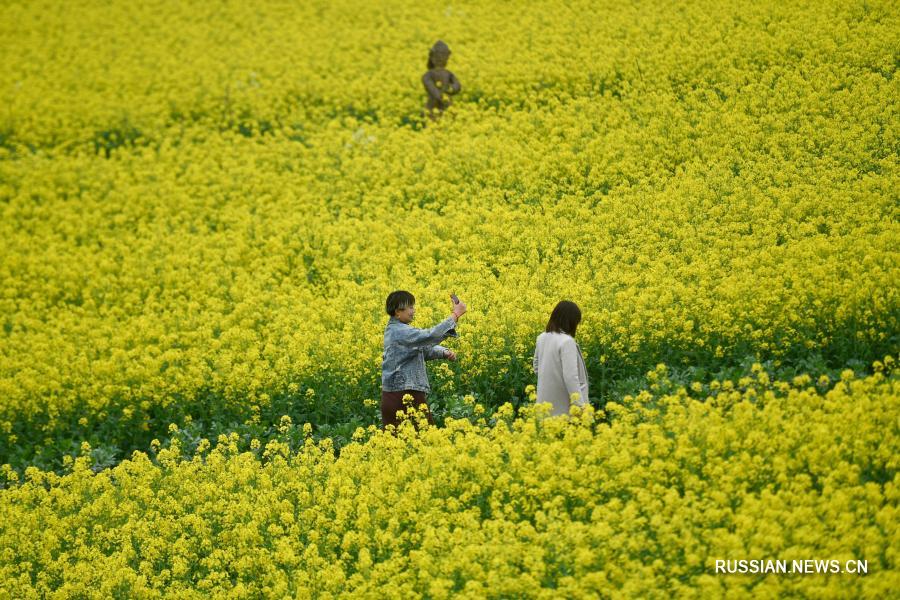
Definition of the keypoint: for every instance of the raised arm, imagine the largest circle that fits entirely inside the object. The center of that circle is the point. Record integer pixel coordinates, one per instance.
(412, 337)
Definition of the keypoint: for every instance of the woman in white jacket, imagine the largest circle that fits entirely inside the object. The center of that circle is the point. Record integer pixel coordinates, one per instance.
(558, 363)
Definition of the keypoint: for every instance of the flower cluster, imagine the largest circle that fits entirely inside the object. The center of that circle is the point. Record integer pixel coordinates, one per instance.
(203, 208)
(638, 502)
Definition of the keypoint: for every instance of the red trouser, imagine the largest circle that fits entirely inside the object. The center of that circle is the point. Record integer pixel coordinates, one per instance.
(391, 402)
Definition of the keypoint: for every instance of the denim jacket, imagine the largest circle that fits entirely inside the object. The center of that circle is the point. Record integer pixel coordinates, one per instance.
(406, 349)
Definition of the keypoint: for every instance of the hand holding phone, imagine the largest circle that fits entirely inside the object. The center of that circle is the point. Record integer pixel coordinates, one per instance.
(459, 308)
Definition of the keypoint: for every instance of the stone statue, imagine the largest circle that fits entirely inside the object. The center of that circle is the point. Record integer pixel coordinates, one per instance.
(439, 82)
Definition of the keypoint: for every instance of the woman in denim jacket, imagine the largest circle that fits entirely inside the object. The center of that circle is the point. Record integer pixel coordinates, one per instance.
(406, 349)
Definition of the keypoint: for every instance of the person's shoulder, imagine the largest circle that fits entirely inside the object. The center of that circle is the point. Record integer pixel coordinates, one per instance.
(562, 338)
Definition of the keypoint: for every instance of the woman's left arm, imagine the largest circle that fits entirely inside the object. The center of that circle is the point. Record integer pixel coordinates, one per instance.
(569, 356)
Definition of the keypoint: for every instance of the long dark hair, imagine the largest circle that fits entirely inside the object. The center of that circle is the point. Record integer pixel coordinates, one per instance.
(564, 318)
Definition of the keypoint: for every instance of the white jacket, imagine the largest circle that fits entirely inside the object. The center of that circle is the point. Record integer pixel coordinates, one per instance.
(560, 371)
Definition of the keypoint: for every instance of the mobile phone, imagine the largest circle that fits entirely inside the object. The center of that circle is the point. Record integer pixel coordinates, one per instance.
(455, 298)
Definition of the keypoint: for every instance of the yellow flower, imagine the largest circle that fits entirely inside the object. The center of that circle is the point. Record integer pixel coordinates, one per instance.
(189, 236)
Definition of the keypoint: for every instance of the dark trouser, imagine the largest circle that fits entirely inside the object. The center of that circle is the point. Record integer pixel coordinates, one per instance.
(391, 402)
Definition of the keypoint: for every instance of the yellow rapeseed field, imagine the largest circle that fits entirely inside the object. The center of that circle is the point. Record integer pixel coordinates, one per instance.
(525, 508)
(204, 205)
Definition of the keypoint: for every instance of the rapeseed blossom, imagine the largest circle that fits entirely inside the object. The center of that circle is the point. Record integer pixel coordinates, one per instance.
(204, 206)
(193, 235)
(641, 504)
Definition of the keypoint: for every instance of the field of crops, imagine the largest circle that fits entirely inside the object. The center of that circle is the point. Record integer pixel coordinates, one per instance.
(522, 508)
(204, 205)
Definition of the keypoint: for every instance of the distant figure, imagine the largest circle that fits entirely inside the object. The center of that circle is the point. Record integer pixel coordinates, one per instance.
(439, 82)
(561, 374)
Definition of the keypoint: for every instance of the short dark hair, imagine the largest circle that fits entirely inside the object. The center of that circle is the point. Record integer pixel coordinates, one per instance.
(398, 300)
(564, 318)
